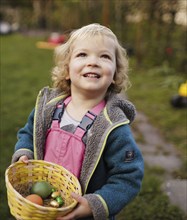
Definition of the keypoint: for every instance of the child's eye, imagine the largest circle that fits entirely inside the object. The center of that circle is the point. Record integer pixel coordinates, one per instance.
(82, 54)
(106, 56)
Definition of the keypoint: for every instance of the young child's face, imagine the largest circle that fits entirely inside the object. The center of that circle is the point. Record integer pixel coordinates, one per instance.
(92, 65)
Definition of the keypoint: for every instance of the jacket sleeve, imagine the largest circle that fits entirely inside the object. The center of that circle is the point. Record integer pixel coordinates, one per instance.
(24, 145)
(125, 173)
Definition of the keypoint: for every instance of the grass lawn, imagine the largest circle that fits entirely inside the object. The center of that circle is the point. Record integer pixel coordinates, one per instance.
(151, 203)
(26, 69)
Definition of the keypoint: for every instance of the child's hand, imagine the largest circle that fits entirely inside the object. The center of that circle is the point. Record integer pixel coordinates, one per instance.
(81, 211)
(24, 159)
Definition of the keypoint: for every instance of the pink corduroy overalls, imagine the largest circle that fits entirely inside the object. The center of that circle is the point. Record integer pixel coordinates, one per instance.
(65, 148)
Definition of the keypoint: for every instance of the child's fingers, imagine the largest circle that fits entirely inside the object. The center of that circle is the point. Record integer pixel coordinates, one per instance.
(77, 197)
(24, 159)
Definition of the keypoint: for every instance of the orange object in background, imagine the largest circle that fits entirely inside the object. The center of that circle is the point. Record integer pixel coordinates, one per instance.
(35, 199)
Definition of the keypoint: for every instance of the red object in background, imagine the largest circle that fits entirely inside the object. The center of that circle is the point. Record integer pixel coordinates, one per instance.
(56, 38)
(169, 50)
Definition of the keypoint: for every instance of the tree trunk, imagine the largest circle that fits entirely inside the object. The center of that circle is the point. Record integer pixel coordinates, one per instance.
(105, 13)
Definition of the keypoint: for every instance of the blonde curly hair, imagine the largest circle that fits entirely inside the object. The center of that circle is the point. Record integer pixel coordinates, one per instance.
(64, 51)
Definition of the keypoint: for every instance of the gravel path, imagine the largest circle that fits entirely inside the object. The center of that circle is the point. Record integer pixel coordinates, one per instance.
(158, 152)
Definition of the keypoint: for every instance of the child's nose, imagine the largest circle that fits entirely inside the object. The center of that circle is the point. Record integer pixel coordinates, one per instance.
(92, 61)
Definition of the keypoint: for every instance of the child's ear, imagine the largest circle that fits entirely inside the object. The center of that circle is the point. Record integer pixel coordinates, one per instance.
(67, 72)
(67, 77)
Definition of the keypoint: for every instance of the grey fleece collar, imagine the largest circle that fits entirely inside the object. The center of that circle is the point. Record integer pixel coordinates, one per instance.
(118, 108)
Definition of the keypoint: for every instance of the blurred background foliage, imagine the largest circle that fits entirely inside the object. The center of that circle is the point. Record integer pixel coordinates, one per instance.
(152, 30)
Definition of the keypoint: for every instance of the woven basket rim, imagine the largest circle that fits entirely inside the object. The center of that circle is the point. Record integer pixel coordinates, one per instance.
(31, 203)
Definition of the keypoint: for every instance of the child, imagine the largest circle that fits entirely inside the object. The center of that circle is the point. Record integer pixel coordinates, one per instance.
(92, 124)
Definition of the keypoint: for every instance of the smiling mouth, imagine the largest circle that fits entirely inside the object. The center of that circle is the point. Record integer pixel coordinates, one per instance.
(92, 75)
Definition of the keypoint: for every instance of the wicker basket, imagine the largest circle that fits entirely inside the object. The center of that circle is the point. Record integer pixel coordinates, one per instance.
(19, 179)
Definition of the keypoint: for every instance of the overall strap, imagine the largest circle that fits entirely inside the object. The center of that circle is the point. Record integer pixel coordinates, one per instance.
(60, 109)
(98, 108)
(88, 119)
